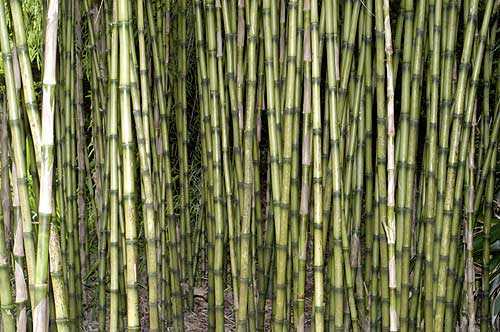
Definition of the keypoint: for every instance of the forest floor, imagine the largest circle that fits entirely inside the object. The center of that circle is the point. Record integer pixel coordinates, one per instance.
(195, 320)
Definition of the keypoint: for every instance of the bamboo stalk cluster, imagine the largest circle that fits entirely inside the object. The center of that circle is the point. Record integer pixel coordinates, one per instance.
(326, 165)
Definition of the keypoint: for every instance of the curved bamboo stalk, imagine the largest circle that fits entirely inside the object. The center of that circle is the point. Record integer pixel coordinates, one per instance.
(17, 139)
(30, 103)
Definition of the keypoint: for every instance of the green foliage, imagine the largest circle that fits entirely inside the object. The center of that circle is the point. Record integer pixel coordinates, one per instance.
(33, 16)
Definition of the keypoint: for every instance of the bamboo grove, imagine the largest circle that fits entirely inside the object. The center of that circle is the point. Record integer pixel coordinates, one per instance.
(299, 165)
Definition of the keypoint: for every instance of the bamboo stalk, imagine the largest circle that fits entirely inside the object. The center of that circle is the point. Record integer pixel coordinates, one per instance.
(123, 21)
(8, 316)
(45, 209)
(17, 139)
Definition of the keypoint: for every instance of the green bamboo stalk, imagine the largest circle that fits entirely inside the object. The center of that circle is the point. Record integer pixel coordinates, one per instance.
(58, 286)
(122, 249)
(146, 187)
(97, 72)
(245, 277)
(485, 282)
(403, 141)
(485, 105)
(150, 162)
(346, 27)
(182, 142)
(381, 153)
(225, 141)
(174, 261)
(338, 221)
(68, 137)
(283, 24)
(448, 43)
(5, 167)
(369, 190)
(411, 159)
(29, 147)
(484, 169)
(102, 249)
(468, 239)
(356, 245)
(18, 253)
(61, 207)
(7, 312)
(217, 163)
(294, 192)
(45, 208)
(352, 174)
(272, 109)
(306, 160)
(259, 263)
(455, 137)
(27, 78)
(123, 21)
(80, 146)
(17, 139)
(346, 62)
(466, 137)
(375, 295)
(318, 297)
(240, 70)
(282, 232)
(98, 105)
(207, 147)
(148, 200)
(416, 281)
(389, 225)
(164, 18)
(112, 143)
(415, 307)
(228, 13)
(429, 215)
(400, 24)
(9, 319)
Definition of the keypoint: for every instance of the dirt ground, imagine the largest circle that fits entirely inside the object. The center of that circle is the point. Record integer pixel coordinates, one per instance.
(195, 320)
